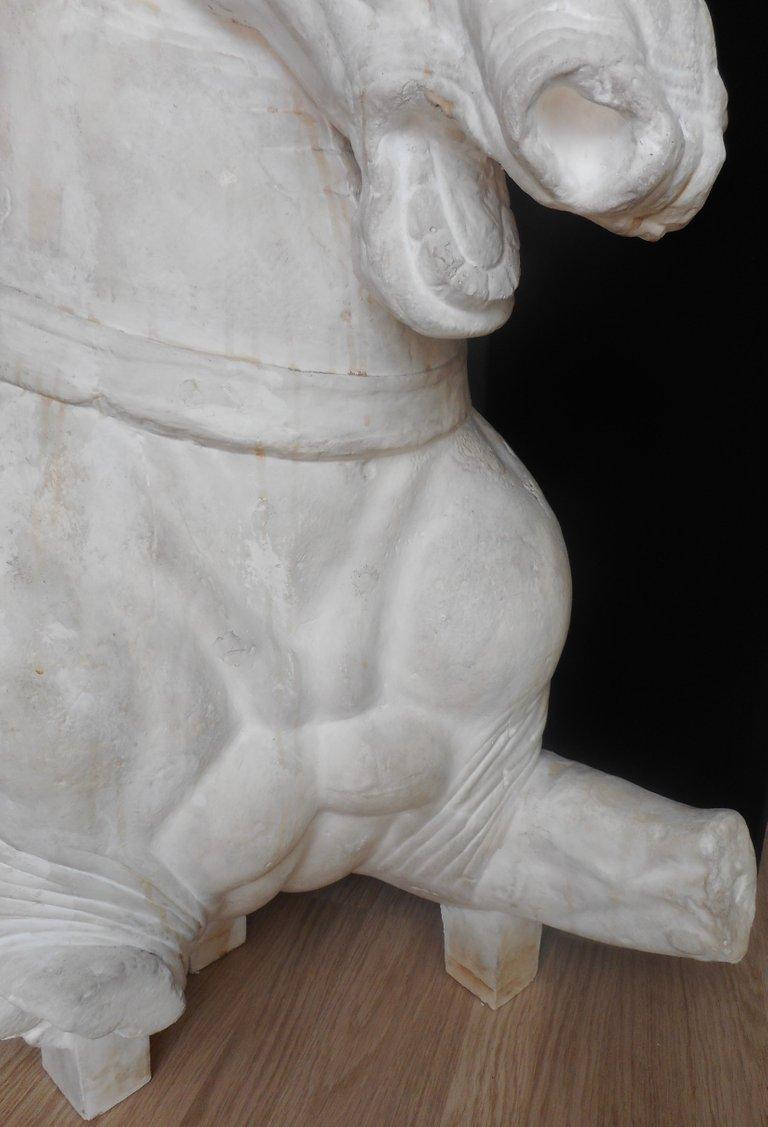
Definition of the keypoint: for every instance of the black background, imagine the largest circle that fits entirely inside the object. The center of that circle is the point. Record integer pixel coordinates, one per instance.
(630, 381)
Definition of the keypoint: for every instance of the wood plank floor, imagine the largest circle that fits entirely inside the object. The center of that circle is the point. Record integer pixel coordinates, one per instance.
(337, 1013)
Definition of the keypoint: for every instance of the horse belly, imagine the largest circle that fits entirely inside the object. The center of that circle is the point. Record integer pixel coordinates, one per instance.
(111, 703)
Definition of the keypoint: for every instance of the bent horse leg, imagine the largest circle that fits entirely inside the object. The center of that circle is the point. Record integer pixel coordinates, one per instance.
(603, 858)
(93, 958)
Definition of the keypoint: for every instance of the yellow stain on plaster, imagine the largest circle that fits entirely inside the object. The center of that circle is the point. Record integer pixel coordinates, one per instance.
(445, 104)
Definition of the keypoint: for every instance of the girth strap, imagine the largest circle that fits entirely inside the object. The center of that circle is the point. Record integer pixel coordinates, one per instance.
(233, 402)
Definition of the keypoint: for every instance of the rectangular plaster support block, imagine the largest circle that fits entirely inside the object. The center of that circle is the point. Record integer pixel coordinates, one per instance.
(94, 1075)
(494, 954)
(221, 938)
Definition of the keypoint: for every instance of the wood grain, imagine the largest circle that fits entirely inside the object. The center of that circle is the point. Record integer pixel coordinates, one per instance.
(338, 1011)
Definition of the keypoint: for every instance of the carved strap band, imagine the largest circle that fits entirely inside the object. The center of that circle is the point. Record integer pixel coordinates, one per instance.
(217, 400)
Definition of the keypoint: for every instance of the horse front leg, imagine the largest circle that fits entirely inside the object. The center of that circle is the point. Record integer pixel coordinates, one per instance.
(600, 857)
(584, 852)
(603, 858)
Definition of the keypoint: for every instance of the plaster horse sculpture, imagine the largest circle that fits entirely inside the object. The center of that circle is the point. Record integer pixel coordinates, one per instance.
(275, 604)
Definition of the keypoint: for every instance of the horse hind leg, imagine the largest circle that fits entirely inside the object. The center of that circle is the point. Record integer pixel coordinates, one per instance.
(93, 991)
(95, 1074)
(93, 960)
(90, 1010)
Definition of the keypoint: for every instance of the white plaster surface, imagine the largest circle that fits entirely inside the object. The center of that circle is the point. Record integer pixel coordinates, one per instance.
(275, 604)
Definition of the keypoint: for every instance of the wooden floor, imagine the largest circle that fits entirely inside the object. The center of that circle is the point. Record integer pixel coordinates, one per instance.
(337, 1013)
